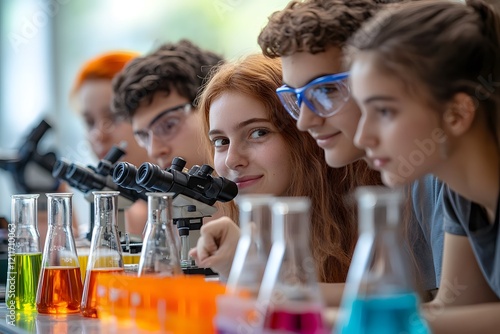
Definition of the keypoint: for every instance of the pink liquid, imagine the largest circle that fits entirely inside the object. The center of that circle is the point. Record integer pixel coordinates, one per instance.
(306, 322)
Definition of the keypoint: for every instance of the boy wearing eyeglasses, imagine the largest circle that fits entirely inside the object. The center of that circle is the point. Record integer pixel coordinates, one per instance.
(156, 93)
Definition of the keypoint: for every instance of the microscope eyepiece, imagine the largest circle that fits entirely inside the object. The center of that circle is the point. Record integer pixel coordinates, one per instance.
(114, 154)
(222, 189)
(178, 164)
(84, 177)
(60, 168)
(205, 170)
(124, 174)
(197, 183)
(152, 177)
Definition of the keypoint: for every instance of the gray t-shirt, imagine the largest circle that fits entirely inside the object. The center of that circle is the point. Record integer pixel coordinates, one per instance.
(426, 238)
(463, 217)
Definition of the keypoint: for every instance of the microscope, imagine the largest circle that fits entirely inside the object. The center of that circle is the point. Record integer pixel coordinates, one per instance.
(31, 172)
(89, 179)
(30, 169)
(195, 192)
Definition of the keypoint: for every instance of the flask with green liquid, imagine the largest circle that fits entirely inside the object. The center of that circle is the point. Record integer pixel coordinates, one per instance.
(25, 257)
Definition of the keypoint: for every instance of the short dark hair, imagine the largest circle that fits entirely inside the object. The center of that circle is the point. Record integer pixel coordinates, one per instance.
(182, 66)
(314, 25)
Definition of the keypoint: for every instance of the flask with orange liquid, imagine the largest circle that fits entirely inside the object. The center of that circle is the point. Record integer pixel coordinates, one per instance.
(60, 283)
(105, 249)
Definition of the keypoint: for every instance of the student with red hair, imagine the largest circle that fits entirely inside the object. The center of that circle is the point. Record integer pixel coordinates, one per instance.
(91, 97)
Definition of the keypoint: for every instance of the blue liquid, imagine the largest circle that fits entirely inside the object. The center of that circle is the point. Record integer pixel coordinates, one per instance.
(385, 315)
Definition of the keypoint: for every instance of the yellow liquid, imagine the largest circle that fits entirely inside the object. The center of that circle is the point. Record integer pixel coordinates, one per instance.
(131, 258)
(83, 258)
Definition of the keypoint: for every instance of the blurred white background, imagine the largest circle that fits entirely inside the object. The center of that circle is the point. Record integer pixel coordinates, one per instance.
(44, 42)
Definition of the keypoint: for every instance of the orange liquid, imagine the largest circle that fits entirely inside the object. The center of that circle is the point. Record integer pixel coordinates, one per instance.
(89, 299)
(61, 290)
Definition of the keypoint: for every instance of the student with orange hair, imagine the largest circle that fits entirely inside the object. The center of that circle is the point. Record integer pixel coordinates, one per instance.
(91, 95)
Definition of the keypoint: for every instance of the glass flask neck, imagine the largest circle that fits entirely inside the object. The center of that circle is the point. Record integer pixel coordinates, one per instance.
(24, 218)
(254, 245)
(378, 209)
(105, 206)
(59, 209)
(158, 208)
(291, 220)
(255, 218)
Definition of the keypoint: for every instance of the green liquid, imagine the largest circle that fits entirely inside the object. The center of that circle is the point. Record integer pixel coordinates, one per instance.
(22, 281)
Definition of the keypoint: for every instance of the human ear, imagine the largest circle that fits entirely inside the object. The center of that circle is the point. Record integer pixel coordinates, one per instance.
(460, 114)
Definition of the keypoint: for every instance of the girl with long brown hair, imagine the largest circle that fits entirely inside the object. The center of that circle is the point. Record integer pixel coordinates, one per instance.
(249, 129)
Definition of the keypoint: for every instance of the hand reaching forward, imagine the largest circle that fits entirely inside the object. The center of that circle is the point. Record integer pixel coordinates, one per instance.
(217, 245)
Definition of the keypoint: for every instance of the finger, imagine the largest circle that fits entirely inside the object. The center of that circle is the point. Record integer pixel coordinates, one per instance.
(193, 252)
(205, 247)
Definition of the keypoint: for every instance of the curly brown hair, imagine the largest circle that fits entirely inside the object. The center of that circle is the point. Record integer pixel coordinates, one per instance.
(314, 25)
(333, 214)
(182, 66)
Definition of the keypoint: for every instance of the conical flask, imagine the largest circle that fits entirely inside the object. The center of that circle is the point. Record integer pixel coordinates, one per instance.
(60, 283)
(290, 293)
(160, 248)
(105, 248)
(253, 246)
(379, 295)
(236, 307)
(23, 272)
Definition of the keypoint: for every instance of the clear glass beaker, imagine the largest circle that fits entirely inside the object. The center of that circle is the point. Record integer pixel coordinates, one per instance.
(379, 292)
(236, 306)
(160, 251)
(290, 294)
(60, 284)
(254, 245)
(105, 248)
(25, 257)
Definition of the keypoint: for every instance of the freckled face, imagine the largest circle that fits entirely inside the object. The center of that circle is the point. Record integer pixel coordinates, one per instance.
(249, 149)
(103, 129)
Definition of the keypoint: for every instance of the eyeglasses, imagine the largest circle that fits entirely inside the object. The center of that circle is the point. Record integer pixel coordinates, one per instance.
(164, 126)
(325, 96)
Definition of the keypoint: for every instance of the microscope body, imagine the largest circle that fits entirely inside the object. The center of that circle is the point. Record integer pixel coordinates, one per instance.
(88, 179)
(195, 193)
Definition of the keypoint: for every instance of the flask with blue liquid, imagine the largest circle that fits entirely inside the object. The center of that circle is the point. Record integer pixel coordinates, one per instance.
(379, 297)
